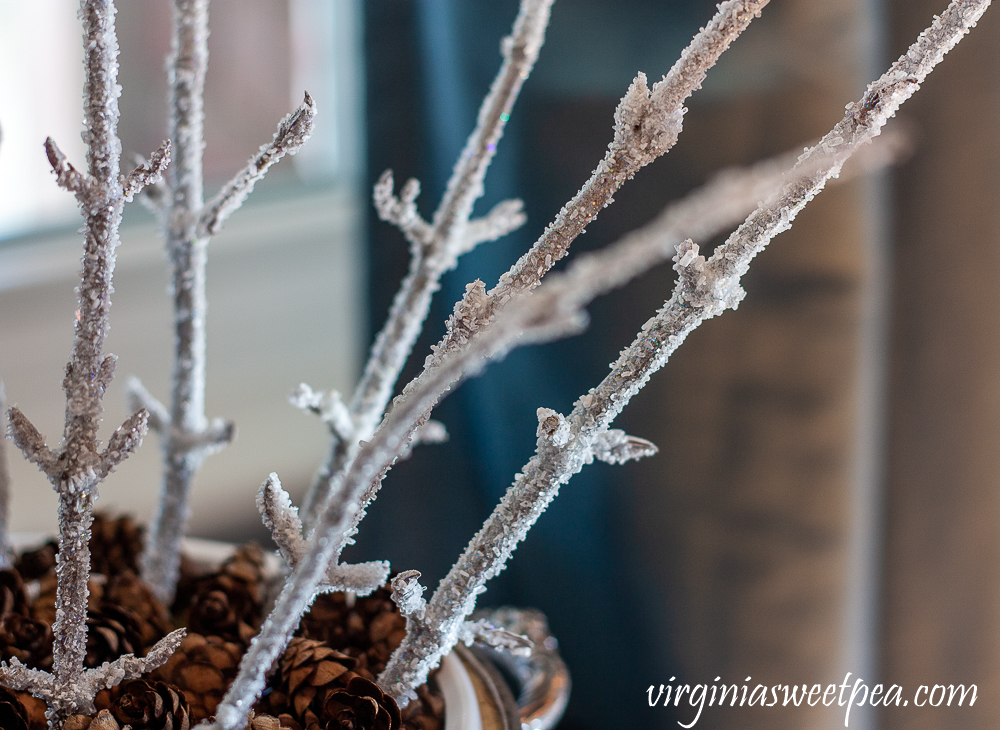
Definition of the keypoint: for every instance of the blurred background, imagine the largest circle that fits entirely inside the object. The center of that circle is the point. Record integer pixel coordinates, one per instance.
(827, 495)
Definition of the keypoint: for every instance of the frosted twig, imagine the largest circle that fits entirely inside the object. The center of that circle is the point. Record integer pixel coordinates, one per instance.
(486, 633)
(293, 131)
(647, 124)
(6, 554)
(77, 467)
(703, 290)
(544, 321)
(282, 519)
(435, 246)
(64, 699)
(187, 434)
(147, 173)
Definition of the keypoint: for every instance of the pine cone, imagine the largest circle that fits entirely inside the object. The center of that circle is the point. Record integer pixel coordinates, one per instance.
(150, 705)
(128, 591)
(308, 671)
(371, 629)
(230, 602)
(34, 710)
(12, 597)
(33, 564)
(103, 720)
(115, 544)
(202, 668)
(361, 706)
(111, 632)
(12, 713)
(28, 640)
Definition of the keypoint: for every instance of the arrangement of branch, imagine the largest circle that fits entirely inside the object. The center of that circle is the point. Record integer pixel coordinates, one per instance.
(78, 465)
(521, 309)
(186, 434)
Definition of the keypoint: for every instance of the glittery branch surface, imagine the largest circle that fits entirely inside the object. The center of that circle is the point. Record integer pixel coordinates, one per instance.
(77, 466)
(186, 433)
(647, 123)
(704, 289)
(436, 245)
(66, 699)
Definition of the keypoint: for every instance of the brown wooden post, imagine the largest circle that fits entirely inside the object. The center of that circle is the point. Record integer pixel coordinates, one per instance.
(942, 565)
(757, 415)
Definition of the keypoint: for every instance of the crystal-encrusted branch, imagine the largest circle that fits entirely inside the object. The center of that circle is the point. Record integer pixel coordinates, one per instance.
(435, 246)
(187, 436)
(704, 289)
(66, 699)
(293, 132)
(647, 124)
(282, 519)
(77, 466)
(553, 310)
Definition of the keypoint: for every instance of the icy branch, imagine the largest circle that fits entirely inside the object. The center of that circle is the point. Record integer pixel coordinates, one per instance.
(647, 124)
(188, 434)
(430, 432)
(293, 131)
(435, 245)
(32, 444)
(5, 550)
(126, 439)
(147, 173)
(282, 519)
(704, 289)
(401, 211)
(66, 699)
(505, 217)
(328, 405)
(617, 447)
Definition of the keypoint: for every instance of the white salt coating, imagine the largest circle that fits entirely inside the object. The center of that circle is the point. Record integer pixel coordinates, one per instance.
(187, 436)
(282, 519)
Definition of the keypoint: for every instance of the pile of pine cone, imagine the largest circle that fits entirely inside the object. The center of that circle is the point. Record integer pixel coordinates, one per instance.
(324, 681)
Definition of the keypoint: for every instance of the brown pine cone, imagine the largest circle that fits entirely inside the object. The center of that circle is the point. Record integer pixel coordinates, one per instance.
(202, 668)
(111, 632)
(361, 706)
(115, 544)
(28, 640)
(33, 564)
(12, 597)
(103, 720)
(371, 629)
(307, 672)
(150, 705)
(128, 591)
(229, 603)
(12, 713)
(34, 710)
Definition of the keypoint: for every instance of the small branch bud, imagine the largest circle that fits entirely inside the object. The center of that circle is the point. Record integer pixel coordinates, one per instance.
(614, 446)
(68, 177)
(408, 594)
(147, 173)
(123, 442)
